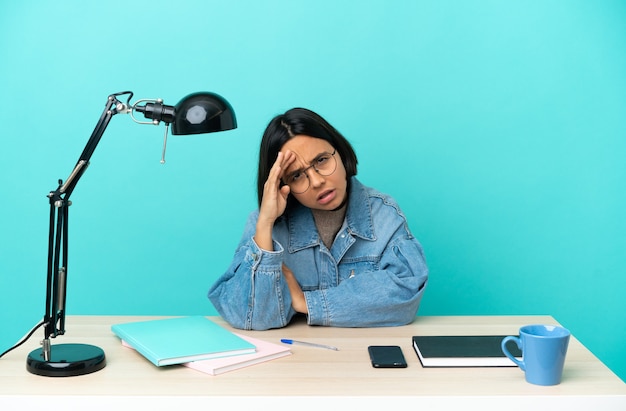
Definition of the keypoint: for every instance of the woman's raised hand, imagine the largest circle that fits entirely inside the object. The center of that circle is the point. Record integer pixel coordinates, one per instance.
(274, 200)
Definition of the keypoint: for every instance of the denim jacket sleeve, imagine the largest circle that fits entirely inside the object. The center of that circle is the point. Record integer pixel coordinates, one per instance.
(253, 294)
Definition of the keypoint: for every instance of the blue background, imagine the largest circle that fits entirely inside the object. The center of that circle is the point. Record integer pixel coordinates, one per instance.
(499, 126)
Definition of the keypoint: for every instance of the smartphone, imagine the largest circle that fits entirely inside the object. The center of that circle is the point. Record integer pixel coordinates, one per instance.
(386, 356)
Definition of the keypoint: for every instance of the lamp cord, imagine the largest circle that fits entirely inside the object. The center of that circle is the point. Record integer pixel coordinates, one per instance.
(23, 339)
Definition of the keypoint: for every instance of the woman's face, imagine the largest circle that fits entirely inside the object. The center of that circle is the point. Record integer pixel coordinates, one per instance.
(324, 192)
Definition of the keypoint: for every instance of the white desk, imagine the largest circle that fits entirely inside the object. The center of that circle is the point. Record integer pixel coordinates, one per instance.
(311, 378)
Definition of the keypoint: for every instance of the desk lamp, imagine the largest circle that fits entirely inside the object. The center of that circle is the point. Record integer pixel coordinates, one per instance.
(197, 113)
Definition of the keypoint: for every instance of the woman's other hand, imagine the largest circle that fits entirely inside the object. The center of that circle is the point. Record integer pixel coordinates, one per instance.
(298, 302)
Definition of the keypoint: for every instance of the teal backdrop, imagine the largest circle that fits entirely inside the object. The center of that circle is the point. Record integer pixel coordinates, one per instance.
(499, 126)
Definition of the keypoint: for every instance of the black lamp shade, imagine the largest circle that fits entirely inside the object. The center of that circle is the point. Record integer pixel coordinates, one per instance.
(203, 112)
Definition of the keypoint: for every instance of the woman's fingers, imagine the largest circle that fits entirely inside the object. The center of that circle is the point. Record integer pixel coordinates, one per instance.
(274, 194)
(283, 161)
(288, 158)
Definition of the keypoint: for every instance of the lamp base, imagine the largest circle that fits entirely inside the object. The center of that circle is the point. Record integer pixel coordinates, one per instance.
(66, 360)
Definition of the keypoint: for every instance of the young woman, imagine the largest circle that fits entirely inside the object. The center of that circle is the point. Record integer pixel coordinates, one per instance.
(321, 243)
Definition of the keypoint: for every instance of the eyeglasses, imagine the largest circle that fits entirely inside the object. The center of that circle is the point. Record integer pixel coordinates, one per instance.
(298, 181)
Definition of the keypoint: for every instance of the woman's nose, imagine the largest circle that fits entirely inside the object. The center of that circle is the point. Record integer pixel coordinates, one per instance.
(315, 178)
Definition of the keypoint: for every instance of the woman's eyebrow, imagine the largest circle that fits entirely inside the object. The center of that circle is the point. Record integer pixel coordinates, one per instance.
(318, 156)
(295, 170)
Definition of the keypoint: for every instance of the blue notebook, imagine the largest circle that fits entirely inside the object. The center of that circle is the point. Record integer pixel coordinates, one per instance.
(181, 339)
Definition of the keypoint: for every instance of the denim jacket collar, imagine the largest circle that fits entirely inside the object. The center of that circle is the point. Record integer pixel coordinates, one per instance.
(358, 219)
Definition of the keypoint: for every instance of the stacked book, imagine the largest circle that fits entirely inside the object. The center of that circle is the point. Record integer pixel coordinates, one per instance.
(195, 342)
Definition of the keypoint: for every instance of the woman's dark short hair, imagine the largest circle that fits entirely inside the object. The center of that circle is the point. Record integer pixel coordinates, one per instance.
(295, 122)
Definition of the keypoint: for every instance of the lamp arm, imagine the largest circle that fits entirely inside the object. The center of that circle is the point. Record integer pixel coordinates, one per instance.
(112, 107)
(56, 284)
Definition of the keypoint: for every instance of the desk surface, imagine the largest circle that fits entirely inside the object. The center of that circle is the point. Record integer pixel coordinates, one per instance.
(314, 372)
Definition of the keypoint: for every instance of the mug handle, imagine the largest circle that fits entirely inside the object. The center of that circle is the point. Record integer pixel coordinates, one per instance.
(506, 352)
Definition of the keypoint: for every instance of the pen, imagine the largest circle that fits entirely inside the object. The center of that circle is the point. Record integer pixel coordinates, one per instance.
(310, 344)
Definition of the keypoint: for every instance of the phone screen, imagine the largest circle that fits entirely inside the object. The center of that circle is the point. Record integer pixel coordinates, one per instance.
(386, 356)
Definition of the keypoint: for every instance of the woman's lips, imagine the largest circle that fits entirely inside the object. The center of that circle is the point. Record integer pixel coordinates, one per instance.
(326, 197)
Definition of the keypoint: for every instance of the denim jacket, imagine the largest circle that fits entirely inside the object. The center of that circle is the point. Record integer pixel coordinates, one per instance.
(374, 274)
